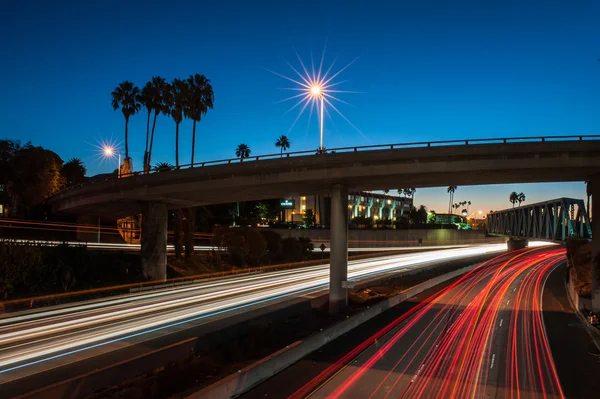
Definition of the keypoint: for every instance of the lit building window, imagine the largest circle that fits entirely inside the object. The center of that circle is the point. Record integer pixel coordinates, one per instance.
(389, 202)
(362, 199)
(303, 207)
(1, 210)
(303, 198)
(1, 187)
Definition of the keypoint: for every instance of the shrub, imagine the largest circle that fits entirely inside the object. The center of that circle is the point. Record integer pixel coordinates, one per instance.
(296, 249)
(32, 269)
(273, 243)
(246, 246)
(291, 249)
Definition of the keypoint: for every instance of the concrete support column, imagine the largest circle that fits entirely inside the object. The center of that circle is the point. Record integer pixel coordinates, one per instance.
(154, 240)
(338, 270)
(596, 252)
(88, 229)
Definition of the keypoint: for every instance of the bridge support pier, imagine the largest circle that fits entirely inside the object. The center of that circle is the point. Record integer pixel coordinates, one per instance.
(154, 240)
(596, 251)
(338, 270)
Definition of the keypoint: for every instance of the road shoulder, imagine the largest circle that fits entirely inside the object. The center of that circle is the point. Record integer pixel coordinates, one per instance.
(575, 354)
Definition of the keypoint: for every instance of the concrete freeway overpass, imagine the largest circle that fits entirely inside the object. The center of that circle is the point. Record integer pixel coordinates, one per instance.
(428, 164)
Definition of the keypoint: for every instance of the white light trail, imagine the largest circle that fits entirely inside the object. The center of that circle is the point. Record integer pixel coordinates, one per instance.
(30, 338)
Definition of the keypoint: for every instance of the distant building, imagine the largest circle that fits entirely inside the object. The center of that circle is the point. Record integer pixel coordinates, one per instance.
(448, 218)
(478, 223)
(362, 204)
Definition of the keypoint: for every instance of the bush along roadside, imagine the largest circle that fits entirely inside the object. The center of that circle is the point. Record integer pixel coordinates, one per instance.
(28, 269)
(247, 247)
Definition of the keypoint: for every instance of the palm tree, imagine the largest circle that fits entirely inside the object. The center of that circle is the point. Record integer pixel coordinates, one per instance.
(146, 101)
(158, 93)
(242, 151)
(411, 193)
(513, 198)
(73, 171)
(451, 190)
(520, 198)
(283, 143)
(125, 96)
(176, 97)
(200, 100)
(163, 167)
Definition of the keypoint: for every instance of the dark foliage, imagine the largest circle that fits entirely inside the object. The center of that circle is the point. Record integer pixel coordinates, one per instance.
(246, 246)
(29, 269)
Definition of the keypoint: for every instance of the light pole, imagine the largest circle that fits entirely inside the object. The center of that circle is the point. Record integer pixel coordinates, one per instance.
(110, 152)
(317, 92)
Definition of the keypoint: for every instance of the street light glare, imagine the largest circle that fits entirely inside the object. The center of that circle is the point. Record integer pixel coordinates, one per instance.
(109, 151)
(316, 89)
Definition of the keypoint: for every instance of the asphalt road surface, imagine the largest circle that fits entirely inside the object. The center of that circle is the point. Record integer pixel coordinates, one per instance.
(38, 341)
(483, 336)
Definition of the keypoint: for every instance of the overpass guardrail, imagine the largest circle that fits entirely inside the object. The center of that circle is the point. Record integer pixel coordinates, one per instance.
(377, 147)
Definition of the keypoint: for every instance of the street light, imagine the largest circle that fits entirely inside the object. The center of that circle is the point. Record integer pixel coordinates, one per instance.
(317, 92)
(110, 152)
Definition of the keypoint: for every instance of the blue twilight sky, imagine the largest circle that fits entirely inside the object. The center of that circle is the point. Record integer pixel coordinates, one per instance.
(427, 70)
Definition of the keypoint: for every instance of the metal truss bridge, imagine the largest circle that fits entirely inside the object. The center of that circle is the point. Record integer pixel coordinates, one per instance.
(554, 220)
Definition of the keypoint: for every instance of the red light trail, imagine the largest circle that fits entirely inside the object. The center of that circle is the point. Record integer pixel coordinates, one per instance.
(482, 336)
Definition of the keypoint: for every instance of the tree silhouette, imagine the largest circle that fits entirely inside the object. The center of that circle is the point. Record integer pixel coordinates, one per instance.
(242, 151)
(146, 101)
(73, 171)
(200, 100)
(520, 198)
(176, 99)
(126, 97)
(451, 190)
(163, 167)
(283, 143)
(158, 91)
(513, 198)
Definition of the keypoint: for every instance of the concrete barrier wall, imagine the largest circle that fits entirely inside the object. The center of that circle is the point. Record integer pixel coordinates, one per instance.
(578, 302)
(243, 380)
(573, 295)
(395, 238)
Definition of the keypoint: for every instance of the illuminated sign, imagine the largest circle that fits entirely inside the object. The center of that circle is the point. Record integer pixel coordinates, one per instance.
(287, 204)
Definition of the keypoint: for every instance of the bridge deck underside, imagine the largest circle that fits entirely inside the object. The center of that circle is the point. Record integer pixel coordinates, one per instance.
(369, 170)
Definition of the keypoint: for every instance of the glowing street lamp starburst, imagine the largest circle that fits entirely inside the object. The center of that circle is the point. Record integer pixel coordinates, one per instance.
(316, 88)
(106, 150)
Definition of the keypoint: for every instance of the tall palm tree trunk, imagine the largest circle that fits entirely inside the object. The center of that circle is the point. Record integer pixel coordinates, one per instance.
(193, 141)
(126, 138)
(281, 152)
(147, 138)
(152, 139)
(177, 145)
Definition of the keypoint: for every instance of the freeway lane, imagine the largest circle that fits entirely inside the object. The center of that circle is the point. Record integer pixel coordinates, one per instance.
(33, 342)
(482, 336)
(106, 246)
